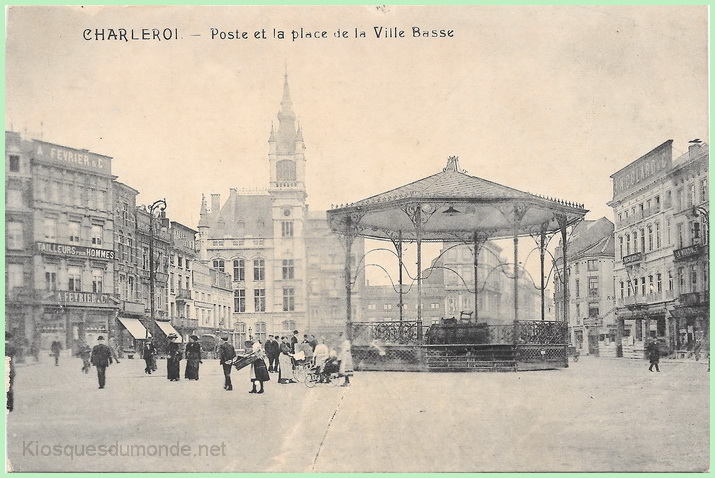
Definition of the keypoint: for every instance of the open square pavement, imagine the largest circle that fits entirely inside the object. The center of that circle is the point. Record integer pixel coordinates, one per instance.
(597, 415)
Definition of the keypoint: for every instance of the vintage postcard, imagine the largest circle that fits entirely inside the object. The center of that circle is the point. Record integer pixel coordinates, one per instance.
(337, 239)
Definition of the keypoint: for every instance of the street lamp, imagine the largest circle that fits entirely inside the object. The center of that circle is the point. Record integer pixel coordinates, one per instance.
(698, 210)
(159, 204)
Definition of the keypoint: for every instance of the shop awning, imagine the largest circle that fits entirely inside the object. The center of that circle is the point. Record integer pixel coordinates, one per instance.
(135, 327)
(167, 328)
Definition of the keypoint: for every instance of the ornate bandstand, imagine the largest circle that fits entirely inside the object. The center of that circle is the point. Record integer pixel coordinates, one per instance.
(452, 206)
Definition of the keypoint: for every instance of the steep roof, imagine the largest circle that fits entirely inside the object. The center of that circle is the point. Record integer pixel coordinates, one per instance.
(593, 237)
(242, 215)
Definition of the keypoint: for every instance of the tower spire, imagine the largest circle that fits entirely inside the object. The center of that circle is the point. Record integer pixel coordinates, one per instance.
(286, 133)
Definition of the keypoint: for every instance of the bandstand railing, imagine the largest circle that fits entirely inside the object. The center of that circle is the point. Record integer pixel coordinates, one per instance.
(450, 346)
(396, 332)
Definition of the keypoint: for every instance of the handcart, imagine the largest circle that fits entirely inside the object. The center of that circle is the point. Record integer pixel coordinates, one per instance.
(242, 361)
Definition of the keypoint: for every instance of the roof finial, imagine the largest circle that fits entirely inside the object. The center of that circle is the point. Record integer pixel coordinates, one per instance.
(452, 164)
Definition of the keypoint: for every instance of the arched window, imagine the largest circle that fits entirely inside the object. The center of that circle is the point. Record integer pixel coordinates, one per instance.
(285, 170)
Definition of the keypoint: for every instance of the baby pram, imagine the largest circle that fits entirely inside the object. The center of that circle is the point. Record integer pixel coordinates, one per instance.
(328, 375)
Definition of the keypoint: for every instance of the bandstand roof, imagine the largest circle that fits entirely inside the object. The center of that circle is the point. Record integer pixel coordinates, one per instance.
(452, 205)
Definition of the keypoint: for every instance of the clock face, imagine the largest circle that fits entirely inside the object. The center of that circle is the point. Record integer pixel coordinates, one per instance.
(286, 212)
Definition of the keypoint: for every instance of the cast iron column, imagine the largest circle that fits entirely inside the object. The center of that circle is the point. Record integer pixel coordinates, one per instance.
(476, 276)
(398, 246)
(516, 276)
(563, 226)
(542, 251)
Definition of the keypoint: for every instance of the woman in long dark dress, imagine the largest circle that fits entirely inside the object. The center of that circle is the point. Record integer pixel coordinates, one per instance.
(173, 359)
(259, 371)
(193, 358)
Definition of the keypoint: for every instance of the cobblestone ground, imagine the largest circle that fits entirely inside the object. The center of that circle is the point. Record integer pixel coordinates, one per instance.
(597, 415)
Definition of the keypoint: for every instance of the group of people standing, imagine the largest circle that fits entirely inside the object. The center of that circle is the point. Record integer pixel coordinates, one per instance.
(280, 355)
(174, 356)
(284, 354)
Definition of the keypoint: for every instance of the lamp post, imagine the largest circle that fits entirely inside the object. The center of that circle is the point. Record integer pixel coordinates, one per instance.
(159, 204)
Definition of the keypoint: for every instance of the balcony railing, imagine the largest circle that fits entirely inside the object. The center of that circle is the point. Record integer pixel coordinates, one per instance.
(183, 294)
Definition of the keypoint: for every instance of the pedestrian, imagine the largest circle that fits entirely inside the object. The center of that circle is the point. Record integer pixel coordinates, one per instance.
(320, 355)
(10, 367)
(226, 354)
(259, 372)
(313, 341)
(85, 352)
(56, 346)
(654, 355)
(113, 348)
(697, 349)
(193, 358)
(306, 348)
(294, 341)
(35, 351)
(272, 349)
(346, 360)
(148, 354)
(173, 359)
(285, 363)
(101, 357)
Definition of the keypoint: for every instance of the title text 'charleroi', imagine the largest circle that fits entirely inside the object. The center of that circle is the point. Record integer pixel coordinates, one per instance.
(168, 34)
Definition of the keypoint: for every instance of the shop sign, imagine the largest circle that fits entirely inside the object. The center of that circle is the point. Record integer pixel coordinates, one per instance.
(69, 250)
(642, 169)
(74, 158)
(689, 299)
(82, 298)
(632, 258)
(686, 252)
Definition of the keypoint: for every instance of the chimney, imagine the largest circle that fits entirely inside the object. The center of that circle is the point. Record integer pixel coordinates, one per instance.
(215, 203)
(693, 150)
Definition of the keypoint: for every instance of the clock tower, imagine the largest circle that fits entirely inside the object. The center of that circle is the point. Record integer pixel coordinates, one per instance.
(288, 210)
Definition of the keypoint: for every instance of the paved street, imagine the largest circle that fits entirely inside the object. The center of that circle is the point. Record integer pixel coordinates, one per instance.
(597, 415)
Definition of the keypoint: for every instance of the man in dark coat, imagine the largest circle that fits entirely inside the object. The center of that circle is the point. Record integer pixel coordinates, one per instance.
(148, 353)
(654, 355)
(101, 358)
(10, 368)
(272, 349)
(226, 354)
(294, 342)
(56, 347)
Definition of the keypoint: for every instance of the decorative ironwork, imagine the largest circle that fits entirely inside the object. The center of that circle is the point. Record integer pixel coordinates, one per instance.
(540, 332)
(548, 355)
(501, 334)
(514, 213)
(419, 214)
(387, 333)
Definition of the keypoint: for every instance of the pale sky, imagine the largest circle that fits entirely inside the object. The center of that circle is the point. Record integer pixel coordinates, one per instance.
(550, 100)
